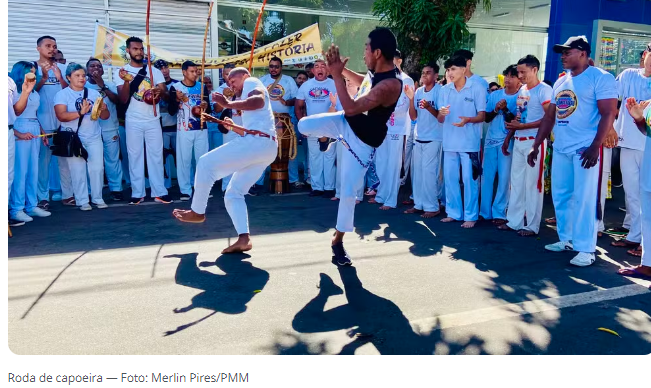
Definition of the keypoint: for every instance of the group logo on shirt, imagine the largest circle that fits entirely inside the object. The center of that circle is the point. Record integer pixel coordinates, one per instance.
(522, 104)
(277, 92)
(319, 93)
(80, 100)
(566, 104)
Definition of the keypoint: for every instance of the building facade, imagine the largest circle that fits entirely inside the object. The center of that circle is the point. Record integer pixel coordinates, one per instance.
(499, 37)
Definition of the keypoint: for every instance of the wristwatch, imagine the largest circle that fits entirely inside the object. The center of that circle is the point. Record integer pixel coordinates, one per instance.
(103, 88)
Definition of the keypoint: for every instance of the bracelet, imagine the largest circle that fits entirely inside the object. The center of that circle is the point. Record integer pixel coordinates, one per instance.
(103, 88)
(636, 121)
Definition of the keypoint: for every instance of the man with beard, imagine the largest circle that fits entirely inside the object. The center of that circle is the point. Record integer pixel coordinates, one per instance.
(582, 111)
(110, 135)
(52, 81)
(192, 137)
(246, 156)
(314, 98)
(140, 90)
(362, 125)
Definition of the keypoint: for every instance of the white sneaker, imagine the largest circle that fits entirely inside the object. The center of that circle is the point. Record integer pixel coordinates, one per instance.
(85, 208)
(21, 216)
(38, 212)
(101, 205)
(56, 197)
(561, 246)
(583, 259)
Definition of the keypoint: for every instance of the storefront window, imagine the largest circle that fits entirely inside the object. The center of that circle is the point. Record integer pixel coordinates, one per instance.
(355, 6)
(527, 13)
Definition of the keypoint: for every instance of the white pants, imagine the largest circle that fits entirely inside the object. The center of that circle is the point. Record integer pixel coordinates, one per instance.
(333, 125)
(169, 142)
(409, 147)
(495, 163)
(140, 135)
(359, 193)
(11, 151)
(322, 166)
(468, 209)
(606, 169)
(574, 191)
(24, 170)
(527, 188)
(188, 142)
(82, 171)
(112, 165)
(228, 137)
(244, 157)
(388, 162)
(425, 175)
(124, 153)
(631, 165)
(646, 226)
(44, 157)
(302, 155)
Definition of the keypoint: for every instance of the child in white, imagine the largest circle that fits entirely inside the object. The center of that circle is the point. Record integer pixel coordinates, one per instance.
(388, 159)
(527, 187)
(315, 95)
(428, 137)
(463, 107)
(496, 162)
(632, 83)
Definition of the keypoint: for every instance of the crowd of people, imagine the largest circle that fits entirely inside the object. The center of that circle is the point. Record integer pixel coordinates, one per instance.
(476, 151)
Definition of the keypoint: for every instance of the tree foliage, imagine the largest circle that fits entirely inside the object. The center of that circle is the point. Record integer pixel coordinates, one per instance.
(427, 30)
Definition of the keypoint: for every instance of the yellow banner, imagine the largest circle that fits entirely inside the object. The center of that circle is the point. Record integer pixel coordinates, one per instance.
(303, 46)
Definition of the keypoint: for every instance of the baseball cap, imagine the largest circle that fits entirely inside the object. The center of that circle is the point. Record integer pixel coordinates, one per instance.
(161, 63)
(574, 42)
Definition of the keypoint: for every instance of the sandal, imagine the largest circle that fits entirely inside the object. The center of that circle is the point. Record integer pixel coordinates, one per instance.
(624, 244)
(633, 272)
(637, 252)
(551, 220)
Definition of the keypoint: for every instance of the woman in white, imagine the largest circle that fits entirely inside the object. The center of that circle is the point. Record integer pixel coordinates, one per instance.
(70, 106)
(23, 202)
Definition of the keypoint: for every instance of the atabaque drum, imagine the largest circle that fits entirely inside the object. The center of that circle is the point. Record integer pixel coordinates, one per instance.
(279, 176)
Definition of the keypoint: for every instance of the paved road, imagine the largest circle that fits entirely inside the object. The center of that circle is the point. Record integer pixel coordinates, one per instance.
(132, 280)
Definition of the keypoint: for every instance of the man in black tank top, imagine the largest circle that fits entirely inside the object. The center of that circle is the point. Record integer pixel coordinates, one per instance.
(361, 126)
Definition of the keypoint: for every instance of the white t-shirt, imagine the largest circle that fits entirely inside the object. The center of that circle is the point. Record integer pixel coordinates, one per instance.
(428, 127)
(467, 102)
(645, 175)
(139, 111)
(530, 106)
(46, 116)
(631, 83)
(399, 121)
(12, 98)
(577, 115)
(89, 130)
(497, 129)
(112, 123)
(259, 119)
(285, 88)
(316, 95)
(480, 81)
(33, 102)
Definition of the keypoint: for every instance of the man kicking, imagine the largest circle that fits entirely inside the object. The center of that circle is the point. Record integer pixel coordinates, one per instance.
(362, 125)
(246, 157)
